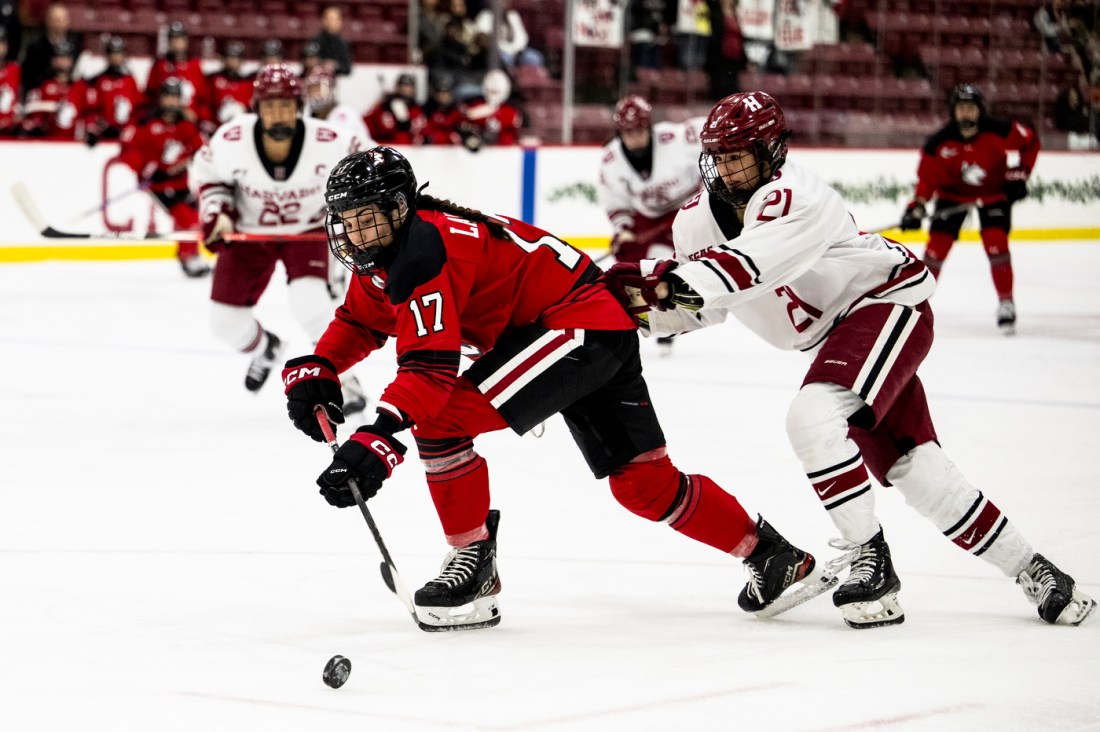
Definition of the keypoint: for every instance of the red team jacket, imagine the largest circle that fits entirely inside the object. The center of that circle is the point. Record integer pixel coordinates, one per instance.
(385, 127)
(453, 282)
(10, 76)
(196, 96)
(41, 110)
(966, 170)
(226, 88)
(110, 101)
(501, 126)
(156, 145)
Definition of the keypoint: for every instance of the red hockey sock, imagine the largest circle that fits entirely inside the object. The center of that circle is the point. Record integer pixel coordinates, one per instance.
(939, 244)
(187, 249)
(995, 242)
(710, 515)
(461, 497)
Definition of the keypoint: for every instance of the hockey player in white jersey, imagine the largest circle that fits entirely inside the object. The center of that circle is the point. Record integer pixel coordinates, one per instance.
(321, 101)
(771, 244)
(265, 174)
(648, 172)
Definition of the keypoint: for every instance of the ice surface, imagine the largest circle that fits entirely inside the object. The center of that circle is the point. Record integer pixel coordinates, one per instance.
(166, 564)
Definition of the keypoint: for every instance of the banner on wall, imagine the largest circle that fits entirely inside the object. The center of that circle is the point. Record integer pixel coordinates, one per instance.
(598, 23)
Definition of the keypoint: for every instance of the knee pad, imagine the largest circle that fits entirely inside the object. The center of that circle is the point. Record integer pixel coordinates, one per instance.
(311, 305)
(650, 489)
(235, 326)
(932, 485)
(817, 420)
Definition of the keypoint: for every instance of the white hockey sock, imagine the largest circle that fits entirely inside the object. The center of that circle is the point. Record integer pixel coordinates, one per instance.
(235, 326)
(933, 486)
(817, 426)
(311, 305)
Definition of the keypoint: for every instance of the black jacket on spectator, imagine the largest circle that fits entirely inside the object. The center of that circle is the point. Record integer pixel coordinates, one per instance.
(36, 64)
(9, 18)
(335, 48)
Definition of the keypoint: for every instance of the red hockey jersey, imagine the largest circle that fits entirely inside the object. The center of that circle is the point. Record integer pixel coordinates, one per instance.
(46, 112)
(967, 170)
(111, 100)
(230, 95)
(10, 76)
(494, 125)
(453, 283)
(159, 151)
(196, 97)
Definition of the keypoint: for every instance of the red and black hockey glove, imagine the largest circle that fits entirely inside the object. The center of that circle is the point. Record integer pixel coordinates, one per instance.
(1015, 184)
(913, 217)
(636, 291)
(369, 457)
(310, 382)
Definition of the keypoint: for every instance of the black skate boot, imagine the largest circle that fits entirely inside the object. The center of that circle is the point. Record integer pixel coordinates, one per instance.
(774, 566)
(1054, 592)
(463, 596)
(355, 400)
(869, 597)
(261, 366)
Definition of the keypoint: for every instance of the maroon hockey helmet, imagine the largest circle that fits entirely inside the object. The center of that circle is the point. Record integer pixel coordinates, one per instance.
(320, 87)
(275, 81)
(633, 113)
(748, 121)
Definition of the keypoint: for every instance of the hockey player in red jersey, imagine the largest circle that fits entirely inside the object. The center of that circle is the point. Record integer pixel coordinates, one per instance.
(48, 110)
(159, 150)
(397, 118)
(975, 160)
(442, 115)
(492, 119)
(230, 90)
(111, 98)
(772, 244)
(436, 276)
(10, 79)
(264, 174)
(177, 64)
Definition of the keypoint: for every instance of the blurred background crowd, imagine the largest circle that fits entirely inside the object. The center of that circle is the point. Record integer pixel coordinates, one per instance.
(476, 72)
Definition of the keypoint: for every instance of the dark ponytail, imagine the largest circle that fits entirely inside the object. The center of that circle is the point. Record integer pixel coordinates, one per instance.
(431, 203)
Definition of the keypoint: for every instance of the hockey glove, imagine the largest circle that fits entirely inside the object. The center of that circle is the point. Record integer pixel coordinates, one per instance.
(913, 217)
(311, 382)
(622, 236)
(216, 223)
(1015, 184)
(369, 456)
(636, 291)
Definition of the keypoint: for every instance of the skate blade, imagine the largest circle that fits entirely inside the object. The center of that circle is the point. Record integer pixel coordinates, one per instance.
(481, 613)
(812, 585)
(1080, 607)
(875, 613)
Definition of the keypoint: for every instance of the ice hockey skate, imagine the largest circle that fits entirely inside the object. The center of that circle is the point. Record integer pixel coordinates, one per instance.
(355, 400)
(1054, 592)
(260, 368)
(1006, 317)
(869, 597)
(463, 596)
(781, 576)
(194, 266)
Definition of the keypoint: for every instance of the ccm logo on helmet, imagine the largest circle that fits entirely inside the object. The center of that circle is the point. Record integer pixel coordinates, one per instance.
(338, 196)
(304, 372)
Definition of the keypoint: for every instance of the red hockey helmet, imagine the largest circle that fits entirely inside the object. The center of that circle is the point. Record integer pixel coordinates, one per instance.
(275, 81)
(633, 113)
(748, 121)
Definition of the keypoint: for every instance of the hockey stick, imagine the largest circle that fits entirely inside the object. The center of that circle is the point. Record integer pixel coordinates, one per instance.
(389, 570)
(937, 216)
(107, 202)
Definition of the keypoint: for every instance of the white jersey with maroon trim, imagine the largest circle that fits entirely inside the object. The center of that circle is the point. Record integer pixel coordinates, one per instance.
(795, 270)
(673, 177)
(346, 116)
(269, 198)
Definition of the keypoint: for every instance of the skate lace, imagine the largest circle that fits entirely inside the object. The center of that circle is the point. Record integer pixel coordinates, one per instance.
(1037, 582)
(458, 567)
(851, 553)
(756, 580)
(861, 557)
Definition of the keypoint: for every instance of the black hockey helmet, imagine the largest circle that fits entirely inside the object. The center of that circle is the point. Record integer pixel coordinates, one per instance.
(114, 44)
(379, 177)
(966, 93)
(177, 30)
(171, 87)
(311, 49)
(272, 47)
(234, 49)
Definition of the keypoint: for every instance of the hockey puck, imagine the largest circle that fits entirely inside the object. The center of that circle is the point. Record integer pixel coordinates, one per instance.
(336, 672)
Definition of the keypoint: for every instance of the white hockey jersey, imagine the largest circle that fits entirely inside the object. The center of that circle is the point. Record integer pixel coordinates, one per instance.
(275, 199)
(672, 180)
(345, 116)
(797, 268)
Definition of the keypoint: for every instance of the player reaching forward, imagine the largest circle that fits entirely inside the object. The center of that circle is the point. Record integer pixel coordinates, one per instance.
(435, 276)
(774, 246)
(648, 172)
(264, 174)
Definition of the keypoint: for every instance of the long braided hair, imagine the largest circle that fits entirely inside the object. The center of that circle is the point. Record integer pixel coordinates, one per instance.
(431, 203)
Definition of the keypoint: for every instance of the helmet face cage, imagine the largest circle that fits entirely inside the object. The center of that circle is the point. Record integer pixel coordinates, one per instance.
(743, 122)
(381, 178)
(320, 88)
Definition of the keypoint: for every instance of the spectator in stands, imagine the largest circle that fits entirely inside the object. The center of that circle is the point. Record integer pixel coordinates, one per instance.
(649, 22)
(178, 64)
(272, 53)
(397, 119)
(493, 118)
(1070, 112)
(1048, 27)
(230, 89)
(693, 31)
(12, 29)
(442, 116)
(511, 36)
(726, 52)
(110, 98)
(335, 51)
(158, 149)
(41, 116)
(476, 42)
(311, 57)
(454, 57)
(36, 62)
(431, 26)
(9, 88)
